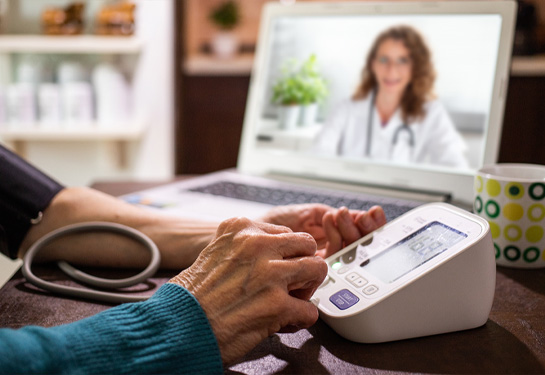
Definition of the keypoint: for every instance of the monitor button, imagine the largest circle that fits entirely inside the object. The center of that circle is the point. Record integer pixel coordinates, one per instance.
(352, 276)
(359, 282)
(370, 289)
(344, 299)
(356, 280)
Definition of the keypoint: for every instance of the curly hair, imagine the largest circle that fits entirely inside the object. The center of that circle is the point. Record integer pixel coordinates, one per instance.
(420, 89)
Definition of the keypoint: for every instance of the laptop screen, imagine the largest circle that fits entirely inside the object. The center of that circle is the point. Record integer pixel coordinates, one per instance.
(391, 91)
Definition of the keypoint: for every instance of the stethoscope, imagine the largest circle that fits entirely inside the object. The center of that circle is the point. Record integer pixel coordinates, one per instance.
(401, 128)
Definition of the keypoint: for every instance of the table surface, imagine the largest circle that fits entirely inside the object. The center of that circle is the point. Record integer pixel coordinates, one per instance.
(512, 340)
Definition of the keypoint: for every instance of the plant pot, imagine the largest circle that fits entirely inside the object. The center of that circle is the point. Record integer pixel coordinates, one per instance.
(289, 116)
(308, 114)
(224, 45)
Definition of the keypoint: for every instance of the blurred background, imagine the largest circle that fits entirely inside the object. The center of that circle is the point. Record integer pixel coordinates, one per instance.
(147, 89)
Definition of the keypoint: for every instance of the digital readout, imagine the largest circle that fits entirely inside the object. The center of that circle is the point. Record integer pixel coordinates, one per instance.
(412, 251)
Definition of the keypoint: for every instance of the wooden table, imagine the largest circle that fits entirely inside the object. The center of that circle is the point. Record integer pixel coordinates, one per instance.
(512, 341)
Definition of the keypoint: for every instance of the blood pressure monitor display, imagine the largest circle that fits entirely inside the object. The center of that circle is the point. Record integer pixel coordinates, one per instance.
(412, 251)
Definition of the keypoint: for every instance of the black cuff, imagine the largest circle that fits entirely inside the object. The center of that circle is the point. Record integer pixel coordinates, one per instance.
(25, 192)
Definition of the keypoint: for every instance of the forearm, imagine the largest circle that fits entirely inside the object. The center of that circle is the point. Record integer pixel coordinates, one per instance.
(169, 333)
(179, 240)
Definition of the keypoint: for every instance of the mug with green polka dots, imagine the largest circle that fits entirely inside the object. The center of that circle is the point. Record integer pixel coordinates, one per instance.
(512, 198)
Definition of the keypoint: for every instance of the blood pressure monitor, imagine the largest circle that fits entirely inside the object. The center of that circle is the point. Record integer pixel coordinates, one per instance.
(427, 272)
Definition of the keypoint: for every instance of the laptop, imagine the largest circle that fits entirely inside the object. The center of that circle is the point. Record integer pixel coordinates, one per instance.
(281, 163)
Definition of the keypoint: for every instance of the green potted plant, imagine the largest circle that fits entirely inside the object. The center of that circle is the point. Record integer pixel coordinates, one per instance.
(288, 94)
(298, 92)
(225, 17)
(314, 90)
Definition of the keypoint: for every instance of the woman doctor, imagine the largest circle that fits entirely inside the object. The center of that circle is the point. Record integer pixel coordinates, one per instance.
(393, 115)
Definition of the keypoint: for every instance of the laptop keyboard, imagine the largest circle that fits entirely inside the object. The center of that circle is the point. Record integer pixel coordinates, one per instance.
(280, 196)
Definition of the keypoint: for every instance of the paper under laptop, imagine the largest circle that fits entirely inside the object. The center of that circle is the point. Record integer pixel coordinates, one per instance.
(470, 44)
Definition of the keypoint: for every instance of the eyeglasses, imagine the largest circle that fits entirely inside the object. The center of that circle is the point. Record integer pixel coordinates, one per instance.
(402, 62)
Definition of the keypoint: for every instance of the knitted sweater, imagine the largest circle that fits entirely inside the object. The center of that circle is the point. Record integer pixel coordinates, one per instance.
(169, 333)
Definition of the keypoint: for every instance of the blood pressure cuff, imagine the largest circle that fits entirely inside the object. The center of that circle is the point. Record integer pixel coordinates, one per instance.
(25, 193)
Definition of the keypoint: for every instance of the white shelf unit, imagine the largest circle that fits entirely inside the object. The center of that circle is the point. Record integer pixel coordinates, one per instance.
(80, 44)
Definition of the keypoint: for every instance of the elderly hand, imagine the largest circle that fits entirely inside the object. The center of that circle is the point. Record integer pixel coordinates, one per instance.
(252, 280)
(331, 228)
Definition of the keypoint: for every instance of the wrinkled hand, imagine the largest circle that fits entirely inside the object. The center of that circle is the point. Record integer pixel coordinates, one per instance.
(331, 228)
(252, 280)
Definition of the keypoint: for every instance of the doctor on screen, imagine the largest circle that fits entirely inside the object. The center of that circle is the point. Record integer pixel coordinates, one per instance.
(393, 115)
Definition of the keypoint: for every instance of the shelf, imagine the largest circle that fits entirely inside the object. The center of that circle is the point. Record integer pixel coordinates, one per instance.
(528, 65)
(29, 133)
(210, 65)
(242, 65)
(87, 44)
(119, 135)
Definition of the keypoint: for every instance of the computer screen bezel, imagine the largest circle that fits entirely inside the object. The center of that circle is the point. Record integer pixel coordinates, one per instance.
(458, 184)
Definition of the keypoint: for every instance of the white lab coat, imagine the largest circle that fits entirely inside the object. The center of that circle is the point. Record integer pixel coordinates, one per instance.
(436, 140)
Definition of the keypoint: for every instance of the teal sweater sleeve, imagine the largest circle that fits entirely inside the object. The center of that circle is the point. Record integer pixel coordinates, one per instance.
(168, 333)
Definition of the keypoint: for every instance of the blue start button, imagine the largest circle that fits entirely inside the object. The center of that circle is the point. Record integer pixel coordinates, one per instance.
(344, 299)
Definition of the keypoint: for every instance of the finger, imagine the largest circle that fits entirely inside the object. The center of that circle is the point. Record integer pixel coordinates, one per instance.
(291, 245)
(305, 273)
(319, 210)
(299, 314)
(348, 229)
(273, 228)
(316, 216)
(334, 238)
(242, 224)
(378, 215)
(309, 216)
(370, 220)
